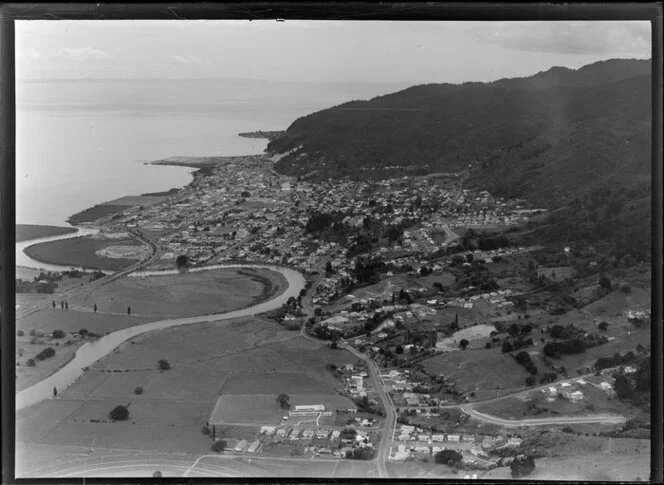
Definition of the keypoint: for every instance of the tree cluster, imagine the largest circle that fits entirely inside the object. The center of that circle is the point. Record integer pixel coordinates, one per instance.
(523, 358)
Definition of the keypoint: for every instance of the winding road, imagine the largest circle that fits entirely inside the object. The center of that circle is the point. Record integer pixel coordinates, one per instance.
(514, 423)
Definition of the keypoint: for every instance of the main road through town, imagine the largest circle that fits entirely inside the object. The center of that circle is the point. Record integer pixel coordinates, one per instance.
(90, 352)
(390, 415)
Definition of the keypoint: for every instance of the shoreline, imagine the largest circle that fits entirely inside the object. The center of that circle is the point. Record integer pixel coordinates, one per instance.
(33, 232)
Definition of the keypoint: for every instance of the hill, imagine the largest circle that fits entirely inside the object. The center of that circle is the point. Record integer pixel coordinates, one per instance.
(557, 130)
(574, 140)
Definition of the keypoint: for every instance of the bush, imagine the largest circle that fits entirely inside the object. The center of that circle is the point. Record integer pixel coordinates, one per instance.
(531, 381)
(463, 343)
(20, 333)
(625, 288)
(58, 334)
(31, 363)
(448, 457)
(603, 326)
(119, 413)
(46, 353)
(219, 446)
(33, 333)
(522, 466)
(164, 365)
(507, 347)
(487, 345)
(138, 390)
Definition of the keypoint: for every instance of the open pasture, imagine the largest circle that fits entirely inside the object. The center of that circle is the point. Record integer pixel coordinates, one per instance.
(185, 294)
(260, 409)
(81, 251)
(478, 370)
(274, 383)
(73, 320)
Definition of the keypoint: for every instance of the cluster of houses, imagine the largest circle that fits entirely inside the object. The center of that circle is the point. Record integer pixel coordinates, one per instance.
(316, 441)
(475, 449)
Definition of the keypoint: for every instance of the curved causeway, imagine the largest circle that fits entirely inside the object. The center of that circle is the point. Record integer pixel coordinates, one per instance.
(91, 352)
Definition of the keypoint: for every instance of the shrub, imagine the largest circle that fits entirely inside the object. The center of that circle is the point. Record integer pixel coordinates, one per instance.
(33, 333)
(522, 466)
(46, 353)
(603, 326)
(219, 446)
(625, 288)
(164, 365)
(157, 474)
(138, 390)
(31, 363)
(20, 333)
(487, 345)
(119, 413)
(448, 457)
(58, 334)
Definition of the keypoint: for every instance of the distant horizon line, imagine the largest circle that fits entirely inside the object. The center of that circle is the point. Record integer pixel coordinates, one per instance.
(153, 78)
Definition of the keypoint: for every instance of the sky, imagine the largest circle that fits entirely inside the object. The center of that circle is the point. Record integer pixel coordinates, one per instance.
(319, 51)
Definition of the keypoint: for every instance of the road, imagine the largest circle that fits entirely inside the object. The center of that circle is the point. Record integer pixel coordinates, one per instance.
(83, 291)
(513, 423)
(390, 416)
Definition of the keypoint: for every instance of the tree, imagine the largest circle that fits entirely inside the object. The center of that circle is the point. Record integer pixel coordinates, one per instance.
(20, 333)
(531, 381)
(219, 446)
(605, 282)
(487, 345)
(399, 349)
(507, 347)
(119, 413)
(463, 344)
(164, 365)
(182, 261)
(138, 390)
(157, 474)
(522, 466)
(95, 308)
(623, 387)
(603, 326)
(448, 457)
(328, 268)
(283, 400)
(58, 334)
(128, 310)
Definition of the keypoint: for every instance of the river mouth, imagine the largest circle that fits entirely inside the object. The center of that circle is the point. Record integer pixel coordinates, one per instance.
(22, 259)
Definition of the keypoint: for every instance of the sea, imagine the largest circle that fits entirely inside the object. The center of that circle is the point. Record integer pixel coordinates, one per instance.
(84, 142)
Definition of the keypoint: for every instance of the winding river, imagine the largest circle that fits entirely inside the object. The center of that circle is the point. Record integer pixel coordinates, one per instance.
(91, 352)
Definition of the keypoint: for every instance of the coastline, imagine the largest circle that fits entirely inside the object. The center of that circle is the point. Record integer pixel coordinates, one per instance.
(29, 232)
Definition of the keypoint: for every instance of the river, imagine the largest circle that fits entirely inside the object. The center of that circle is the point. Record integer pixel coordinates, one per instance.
(91, 352)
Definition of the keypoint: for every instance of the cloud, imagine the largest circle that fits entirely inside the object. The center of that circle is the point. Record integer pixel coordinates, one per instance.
(28, 53)
(599, 37)
(82, 54)
(190, 60)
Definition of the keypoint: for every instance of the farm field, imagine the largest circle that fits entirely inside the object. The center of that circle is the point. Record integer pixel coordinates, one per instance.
(584, 467)
(46, 321)
(175, 403)
(478, 370)
(477, 336)
(80, 251)
(185, 294)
